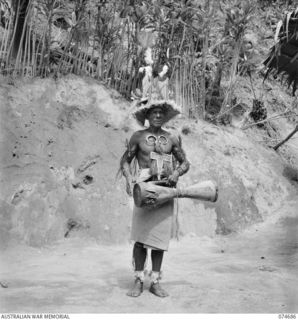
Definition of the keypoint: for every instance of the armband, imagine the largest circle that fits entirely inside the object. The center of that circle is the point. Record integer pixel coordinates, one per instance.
(183, 168)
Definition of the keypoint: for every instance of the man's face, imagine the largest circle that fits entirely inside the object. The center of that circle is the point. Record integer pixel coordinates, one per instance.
(156, 117)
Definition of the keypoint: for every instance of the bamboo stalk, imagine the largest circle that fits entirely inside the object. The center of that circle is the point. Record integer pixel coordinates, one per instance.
(40, 45)
(180, 48)
(40, 68)
(19, 57)
(25, 54)
(183, 86)
(22, 53)
(27, 64)
(50, 8)
(13, 36)
(34, 42)
(6, 39)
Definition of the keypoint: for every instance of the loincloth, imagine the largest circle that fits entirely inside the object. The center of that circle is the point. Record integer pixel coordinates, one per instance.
(152, 227)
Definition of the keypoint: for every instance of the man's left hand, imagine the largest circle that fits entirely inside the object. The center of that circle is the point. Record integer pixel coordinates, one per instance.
(129, 187)
(173, 178)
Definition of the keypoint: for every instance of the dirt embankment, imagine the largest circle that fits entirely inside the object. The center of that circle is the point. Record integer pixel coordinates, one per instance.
(61, 142)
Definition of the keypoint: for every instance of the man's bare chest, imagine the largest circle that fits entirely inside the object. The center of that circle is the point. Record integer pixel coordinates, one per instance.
(155, 143)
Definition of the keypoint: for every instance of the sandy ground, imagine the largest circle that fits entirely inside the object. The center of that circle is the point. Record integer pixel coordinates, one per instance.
(251, 272)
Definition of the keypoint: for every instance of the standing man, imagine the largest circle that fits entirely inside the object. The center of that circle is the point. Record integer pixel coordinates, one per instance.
(157, 155)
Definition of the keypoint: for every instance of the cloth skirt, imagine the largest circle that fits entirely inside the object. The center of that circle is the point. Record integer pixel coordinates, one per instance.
(153, 227)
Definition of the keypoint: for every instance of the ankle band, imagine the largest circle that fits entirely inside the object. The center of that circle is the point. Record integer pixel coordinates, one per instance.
(139, 275)
(155, 276)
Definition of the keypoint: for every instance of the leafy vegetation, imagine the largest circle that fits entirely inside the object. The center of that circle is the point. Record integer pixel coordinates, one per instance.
(283, 58)
(201, 41)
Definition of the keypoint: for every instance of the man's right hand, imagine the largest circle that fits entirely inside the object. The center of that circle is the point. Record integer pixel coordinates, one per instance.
(173, 178)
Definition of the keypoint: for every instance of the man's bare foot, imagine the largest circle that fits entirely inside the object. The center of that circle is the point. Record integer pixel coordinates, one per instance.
(137, 289)
(156, 289)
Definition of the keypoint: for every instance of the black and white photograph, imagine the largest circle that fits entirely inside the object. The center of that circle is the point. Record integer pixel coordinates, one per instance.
(149, 159)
